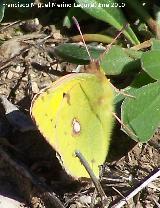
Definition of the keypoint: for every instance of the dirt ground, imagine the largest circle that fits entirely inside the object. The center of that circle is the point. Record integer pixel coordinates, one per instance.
(30, 175)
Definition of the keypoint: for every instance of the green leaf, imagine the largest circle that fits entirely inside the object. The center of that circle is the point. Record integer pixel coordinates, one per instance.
(133, 53)
(118, 61)
(141, 79)
(139, 9)
(141, 115)
(155, 45)
(92, 37)
(150, 62)
(77, 54)
(2, 9)
(111, 14)
(78, 13)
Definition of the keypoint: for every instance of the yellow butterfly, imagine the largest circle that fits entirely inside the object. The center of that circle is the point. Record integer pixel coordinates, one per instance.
(75, 114)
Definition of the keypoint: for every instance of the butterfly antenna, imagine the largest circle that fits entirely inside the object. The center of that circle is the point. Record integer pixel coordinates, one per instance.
(79, 29)
(128, 131)
(117, 36)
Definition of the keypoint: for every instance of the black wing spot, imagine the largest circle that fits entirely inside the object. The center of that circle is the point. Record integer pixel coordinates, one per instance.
(67, 96)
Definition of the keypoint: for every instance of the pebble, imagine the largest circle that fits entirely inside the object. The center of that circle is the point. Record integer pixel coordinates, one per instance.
(10, 75)
(35, 88)
(10, 203)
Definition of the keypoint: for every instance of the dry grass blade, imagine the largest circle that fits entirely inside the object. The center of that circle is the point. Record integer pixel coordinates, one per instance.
(153, 177)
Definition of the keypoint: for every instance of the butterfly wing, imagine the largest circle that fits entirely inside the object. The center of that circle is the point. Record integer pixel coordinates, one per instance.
(77, 115)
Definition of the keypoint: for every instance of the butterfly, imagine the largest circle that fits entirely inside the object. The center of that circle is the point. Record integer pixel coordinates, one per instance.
(75, 114)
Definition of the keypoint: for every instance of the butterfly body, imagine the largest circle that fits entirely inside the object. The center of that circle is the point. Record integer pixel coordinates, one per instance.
(75, 114)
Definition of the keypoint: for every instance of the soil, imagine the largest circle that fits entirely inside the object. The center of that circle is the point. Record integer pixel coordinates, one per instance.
(30, 174)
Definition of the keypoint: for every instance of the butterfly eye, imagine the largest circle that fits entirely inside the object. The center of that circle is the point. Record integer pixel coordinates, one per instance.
(76, 127)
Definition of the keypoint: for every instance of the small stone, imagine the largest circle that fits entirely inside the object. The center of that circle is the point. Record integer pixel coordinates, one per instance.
(10, 203)
(10, 75)
(18, 69)
(85, 199)
(36, 21)
(57, 35)
(35, 88)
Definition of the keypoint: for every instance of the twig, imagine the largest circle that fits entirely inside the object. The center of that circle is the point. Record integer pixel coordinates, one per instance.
(3, 64)
(158, 205)
(93, 177)
(9, 25)
(120, 194)
(145, 44)
(138, 189)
